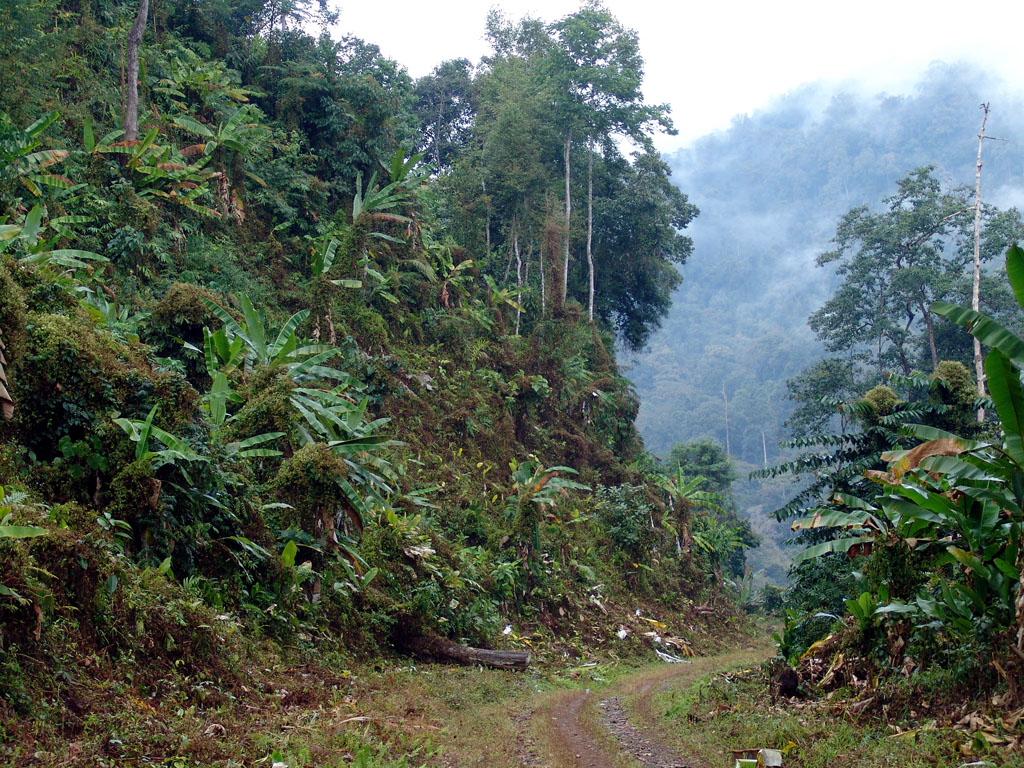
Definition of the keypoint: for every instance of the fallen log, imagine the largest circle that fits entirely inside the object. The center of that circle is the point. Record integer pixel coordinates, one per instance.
(446, 650)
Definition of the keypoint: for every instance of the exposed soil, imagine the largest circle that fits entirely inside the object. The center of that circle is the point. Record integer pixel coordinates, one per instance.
(620, 728)
(643, 747)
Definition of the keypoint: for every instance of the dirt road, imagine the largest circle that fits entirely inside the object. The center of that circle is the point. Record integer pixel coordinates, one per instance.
(617, 728)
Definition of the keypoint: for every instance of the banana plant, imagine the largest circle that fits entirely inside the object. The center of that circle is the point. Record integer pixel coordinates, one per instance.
(684, 492)
(29, 238)
(240, 133)
(143, 431)
(190, 79)
(535, 486)
(22, 161)
(162, 172)
(718, 541)
(265, 346)
(377, 201)
(400, 170)
(960, 500)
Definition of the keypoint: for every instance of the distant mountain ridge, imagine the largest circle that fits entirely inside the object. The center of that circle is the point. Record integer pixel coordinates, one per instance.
(771, 189)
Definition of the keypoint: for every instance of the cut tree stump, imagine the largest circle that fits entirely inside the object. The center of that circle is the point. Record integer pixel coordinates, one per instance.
(441, 648)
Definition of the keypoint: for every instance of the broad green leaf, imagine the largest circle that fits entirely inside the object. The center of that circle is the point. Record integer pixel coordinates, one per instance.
(829, 547)
(985, 329)
(33, 221)
(288, 554)
(193, 126)
(1004, 384)
(21, 531)
(1009, 569)
(40, 125)
(1015, 271)
(88, 139)
(8, 592)
(971, 561)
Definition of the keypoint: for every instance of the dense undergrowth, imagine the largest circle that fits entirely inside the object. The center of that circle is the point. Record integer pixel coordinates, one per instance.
(263, 409)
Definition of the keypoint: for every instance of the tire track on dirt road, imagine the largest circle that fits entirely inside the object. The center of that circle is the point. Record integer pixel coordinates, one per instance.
(584, 729)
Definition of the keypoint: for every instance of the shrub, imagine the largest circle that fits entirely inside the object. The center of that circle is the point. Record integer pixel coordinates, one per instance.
(625, 517)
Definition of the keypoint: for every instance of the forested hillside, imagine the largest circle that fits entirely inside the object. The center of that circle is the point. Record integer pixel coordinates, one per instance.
(309, 378)
(304, 359)
(771, 190)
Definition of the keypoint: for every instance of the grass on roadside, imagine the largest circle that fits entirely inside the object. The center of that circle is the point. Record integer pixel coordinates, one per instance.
(734, 711)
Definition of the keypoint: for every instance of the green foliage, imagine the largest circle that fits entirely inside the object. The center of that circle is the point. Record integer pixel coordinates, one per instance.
(951, 505)
(207, 465)
(626, 517)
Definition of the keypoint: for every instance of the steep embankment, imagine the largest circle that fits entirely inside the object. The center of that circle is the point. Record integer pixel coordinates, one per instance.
(274, 402)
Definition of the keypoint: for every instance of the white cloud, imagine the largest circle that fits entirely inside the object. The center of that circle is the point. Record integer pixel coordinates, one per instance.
(712, 61)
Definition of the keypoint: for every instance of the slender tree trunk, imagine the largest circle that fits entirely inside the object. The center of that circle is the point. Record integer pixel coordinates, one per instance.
(437, 133)
(979, 365)
(725, 399)
(764, 448)
(931, 334)
(543, 287)
(568, 215)
(487, 225)
(904, 361)
(590, 226)
(519, 272)
(881, 336)
(131, 105)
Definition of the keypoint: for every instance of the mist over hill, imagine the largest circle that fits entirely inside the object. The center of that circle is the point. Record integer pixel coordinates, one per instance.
(771, 189)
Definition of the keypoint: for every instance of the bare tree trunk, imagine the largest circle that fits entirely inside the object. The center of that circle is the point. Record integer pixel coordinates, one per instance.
(432, 646)
(931, 334)
(764, 448)
(590, 226)
(519, 272)
(725, 400)
(979, 365)
(568, 215)
(543, 290)
(131, 106)
(487, 225)
(437, 133)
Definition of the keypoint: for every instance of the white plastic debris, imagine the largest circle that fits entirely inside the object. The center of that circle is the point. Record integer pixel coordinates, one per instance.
(507, 630)
(622, 633)
(669, 658)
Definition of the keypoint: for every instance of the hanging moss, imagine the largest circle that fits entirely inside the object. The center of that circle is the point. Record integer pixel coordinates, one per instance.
(954, 387)
(134, 495)
(267, 408)
(308, 481)
(41, 291)
(71, 376)
(369, 328)
(180, 316)
(882, 401)
(12, 317)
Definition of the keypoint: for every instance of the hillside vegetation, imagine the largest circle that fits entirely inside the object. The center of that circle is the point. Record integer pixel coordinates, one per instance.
(320, 363)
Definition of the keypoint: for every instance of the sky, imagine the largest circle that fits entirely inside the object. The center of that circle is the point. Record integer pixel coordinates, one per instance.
(713, 60)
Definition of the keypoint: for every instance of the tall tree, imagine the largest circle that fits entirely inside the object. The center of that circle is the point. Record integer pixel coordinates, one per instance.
(598, 66)
(639, 215)
(131, 99)
(894, 263)
(444, 104)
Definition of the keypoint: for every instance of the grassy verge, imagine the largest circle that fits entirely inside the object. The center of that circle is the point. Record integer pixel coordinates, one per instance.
(734, 710)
